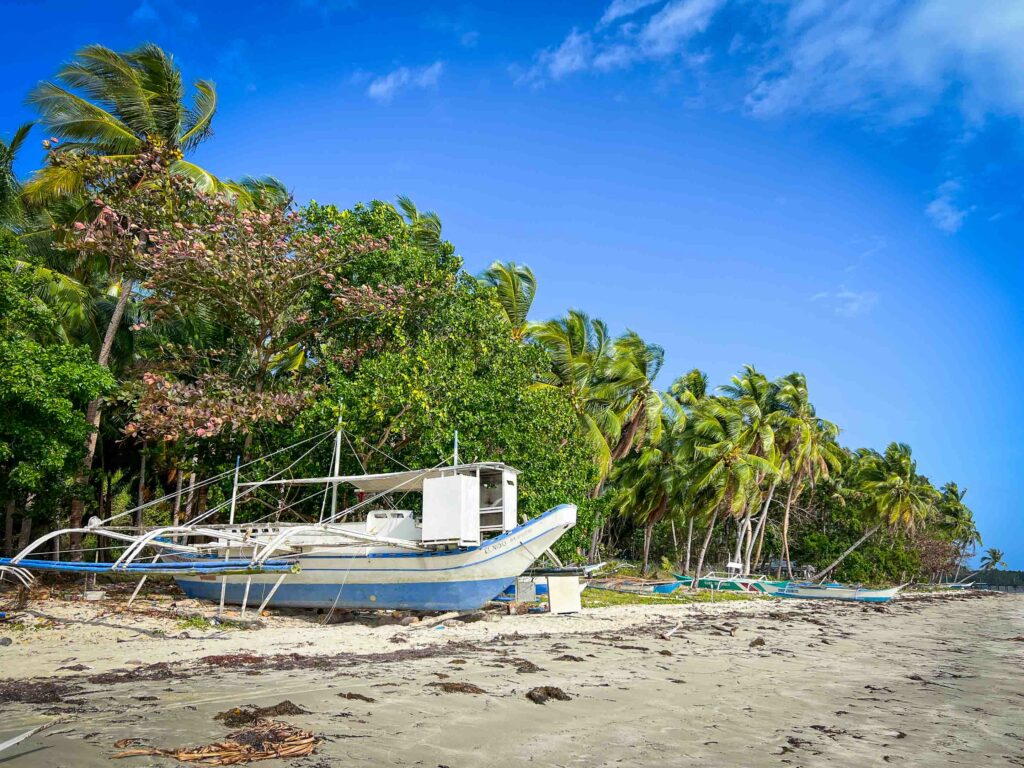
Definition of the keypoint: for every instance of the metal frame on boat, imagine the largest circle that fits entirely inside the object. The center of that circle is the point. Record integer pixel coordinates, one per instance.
(464, 549)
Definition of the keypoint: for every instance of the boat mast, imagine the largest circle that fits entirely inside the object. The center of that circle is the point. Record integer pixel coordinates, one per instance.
(234, 491)
(337, 465)
(455, 461)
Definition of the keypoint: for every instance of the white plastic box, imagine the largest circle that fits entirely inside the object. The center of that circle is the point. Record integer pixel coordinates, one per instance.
(451, 510)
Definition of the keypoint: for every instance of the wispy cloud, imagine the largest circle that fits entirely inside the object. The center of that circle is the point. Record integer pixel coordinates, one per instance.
(847, 303)
(944, 211)
(890, 64)
(384, 87)
(665, 33)
(163, 12)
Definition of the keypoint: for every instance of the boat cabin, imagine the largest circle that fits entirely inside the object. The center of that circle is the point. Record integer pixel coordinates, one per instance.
(462, 504)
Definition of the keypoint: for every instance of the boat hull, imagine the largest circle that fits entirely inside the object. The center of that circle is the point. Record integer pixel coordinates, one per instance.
(829, 592)
(380, 578)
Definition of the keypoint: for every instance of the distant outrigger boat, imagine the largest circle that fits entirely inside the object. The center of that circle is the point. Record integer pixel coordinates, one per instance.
(720, 582)
(465, 550)
(828, 591)
(763, 585)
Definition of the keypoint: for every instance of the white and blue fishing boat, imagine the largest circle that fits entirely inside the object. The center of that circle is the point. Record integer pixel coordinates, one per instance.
(458, 548)
(826, 591)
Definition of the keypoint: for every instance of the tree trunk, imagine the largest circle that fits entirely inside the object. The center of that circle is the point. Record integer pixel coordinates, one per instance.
(9, 529)
(784, 554)
(821, 576)
(675, 543)
(92, 416)
(689, 546)
(741, 531)
(26, 531)
(176, 513)
(703, 551)
(761, 525)
(191, 496)
(648, 533)
(142, 491)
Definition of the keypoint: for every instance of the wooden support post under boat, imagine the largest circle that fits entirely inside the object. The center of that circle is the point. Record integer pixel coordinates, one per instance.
(273, 589)
(142, 581)
(223, 589)
(245, 597)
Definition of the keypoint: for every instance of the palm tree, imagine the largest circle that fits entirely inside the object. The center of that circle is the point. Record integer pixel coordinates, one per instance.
(809, 453)
(116, 105)
(579, 352)
(758, 401)
(650, 484)
(724, 473)
(11, 213)
(956, 522)
(992, 559)
(896, 496)
(515, 286)
(424, 225)
(630, 376)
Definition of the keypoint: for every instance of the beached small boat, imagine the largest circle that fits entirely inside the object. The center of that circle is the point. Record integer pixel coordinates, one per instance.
(720, 582)
(827, 591)
(463, 549)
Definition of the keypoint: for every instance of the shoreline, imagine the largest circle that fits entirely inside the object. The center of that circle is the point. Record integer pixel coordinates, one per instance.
(760, 682)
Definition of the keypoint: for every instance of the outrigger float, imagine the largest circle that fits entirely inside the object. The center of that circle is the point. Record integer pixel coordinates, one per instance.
(464, 548)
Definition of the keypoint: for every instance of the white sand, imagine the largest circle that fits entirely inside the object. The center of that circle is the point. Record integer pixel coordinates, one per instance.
(934, 682)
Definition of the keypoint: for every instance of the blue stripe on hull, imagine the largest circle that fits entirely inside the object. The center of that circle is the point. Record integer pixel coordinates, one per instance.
(421, 596)
(833, 597)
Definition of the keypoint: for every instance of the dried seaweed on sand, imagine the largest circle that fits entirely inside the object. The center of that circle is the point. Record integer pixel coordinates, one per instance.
(264, 740)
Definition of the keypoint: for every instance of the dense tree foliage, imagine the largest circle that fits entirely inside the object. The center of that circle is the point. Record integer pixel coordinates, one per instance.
(159, 322)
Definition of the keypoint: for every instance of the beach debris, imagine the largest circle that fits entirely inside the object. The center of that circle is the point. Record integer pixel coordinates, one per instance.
(568, 657)
(263, 740)
(543, 693)
(668, 635)
(356, 697)
(31, 732)
(5, 641)
(458, 687)
(37, 691)
(757, 642)
(665, 652)
(251, 714)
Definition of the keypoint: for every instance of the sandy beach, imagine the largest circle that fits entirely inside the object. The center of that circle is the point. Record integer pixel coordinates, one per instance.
(922, 681)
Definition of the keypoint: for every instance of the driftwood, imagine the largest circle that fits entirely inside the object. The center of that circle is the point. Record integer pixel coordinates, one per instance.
(18, 739)
(264, 740)
(667, 635)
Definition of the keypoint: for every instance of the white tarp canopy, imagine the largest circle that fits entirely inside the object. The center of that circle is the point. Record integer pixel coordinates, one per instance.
(410, 480)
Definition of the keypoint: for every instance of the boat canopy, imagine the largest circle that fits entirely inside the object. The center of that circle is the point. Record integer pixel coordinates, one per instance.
(410, 480)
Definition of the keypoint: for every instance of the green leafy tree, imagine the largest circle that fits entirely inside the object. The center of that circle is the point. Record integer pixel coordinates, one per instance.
(896, 496)
(44, 386)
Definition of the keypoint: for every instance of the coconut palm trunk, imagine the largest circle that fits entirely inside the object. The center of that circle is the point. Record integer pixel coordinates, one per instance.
(689, 546)
(784, 554)
(703, 551)
(838, 560)
(92, 416)
(759, 531)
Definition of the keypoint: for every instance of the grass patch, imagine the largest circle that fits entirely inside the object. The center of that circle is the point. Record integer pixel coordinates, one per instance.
(602, 598)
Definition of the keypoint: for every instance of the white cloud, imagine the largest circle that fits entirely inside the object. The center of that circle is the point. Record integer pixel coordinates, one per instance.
(665, 33)
(847, 303)
(166, 12)
(385, 87)
(900, 59)
(668, 29)
(944, 211)
(620, 9)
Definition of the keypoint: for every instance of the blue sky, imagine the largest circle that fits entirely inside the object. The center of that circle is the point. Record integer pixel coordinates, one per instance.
(825, 186)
